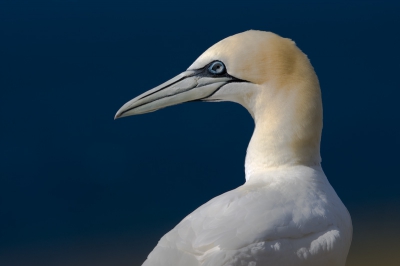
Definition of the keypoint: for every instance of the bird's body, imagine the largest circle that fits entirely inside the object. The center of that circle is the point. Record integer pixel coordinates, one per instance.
(286, 213)
(282, 217)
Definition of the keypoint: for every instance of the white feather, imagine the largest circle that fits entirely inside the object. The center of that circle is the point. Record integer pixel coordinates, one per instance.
(288, 216)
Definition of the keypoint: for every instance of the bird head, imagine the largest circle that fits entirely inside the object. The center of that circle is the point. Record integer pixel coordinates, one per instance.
(242, 68)
(270, 77)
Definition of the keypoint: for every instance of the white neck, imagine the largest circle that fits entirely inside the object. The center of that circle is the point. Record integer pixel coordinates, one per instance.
(288, 125)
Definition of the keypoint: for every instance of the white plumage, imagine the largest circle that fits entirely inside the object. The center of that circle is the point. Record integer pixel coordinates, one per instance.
(286, 213)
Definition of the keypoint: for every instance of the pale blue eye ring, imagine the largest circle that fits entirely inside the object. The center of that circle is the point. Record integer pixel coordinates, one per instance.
(216, 68)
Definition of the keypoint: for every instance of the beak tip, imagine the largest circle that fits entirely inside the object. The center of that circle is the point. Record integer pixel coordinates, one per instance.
(118, 115)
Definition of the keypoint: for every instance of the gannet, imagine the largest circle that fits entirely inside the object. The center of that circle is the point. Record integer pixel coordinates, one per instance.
(286, 213)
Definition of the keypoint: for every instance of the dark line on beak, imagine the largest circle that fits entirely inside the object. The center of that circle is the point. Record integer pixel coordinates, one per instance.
(230, 81)
(200, 73)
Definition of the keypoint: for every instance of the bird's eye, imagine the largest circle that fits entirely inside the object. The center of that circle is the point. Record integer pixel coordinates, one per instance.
(217, 68)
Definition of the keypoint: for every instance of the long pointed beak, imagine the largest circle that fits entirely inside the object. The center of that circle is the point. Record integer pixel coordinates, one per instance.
(187, 86)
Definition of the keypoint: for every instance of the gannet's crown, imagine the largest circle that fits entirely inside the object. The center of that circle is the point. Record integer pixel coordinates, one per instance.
(260, 57)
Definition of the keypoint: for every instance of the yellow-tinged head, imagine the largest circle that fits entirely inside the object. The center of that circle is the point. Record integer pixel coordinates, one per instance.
(257, 56)
(271, 78)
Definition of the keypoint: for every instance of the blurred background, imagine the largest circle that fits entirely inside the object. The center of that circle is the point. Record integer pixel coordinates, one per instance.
(78, 188)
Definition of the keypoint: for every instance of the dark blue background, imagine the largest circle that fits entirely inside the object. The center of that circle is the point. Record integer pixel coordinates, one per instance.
(78, 188)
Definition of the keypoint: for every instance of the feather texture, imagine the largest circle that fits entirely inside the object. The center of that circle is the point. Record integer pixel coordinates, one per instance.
(284, 217)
